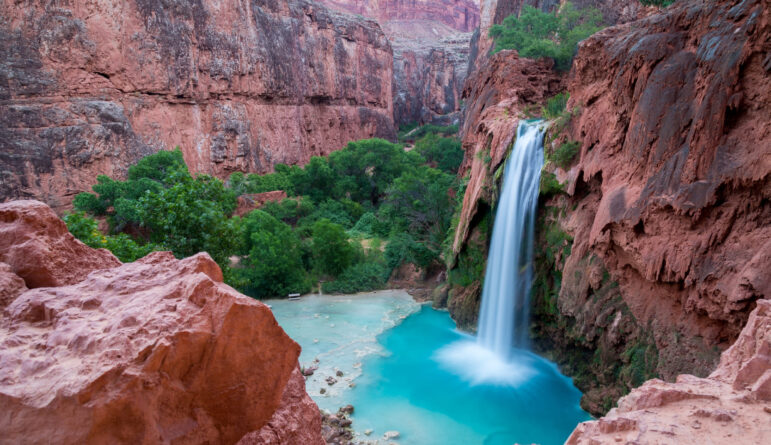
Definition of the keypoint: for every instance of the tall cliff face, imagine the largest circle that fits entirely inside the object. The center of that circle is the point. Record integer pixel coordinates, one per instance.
(156, 351)
(430, 40)
(462, 15)
(88, 88)
(651, 260)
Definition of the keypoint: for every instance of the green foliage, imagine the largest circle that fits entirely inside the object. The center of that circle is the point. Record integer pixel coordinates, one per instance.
(161, 167)
(365, 169)
(642, 361)
(190, 217)
(535, 34)
(555, 106)
(290, 210)
(444, 153)
(564, 154)
(332, 252)
(358, 277)
(549, 185)
(274, 266)
(420, 203)
(659, 3)
(121, 245)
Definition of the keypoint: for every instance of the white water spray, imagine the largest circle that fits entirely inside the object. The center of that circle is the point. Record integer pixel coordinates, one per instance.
(505, 314)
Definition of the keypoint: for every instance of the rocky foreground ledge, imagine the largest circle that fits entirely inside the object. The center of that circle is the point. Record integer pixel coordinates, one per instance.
(732, 405)
(155, 351)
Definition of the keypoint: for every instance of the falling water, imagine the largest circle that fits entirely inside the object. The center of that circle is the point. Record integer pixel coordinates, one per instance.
(505, 314)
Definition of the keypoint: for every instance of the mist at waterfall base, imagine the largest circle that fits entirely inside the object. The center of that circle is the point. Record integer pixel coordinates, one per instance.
(406, 368)
(496, 355)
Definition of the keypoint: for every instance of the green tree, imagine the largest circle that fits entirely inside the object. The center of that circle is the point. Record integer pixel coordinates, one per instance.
(274, 266)
(363, 170)
(421, 202)
(332, 252)
(535, 34)
(191, 216)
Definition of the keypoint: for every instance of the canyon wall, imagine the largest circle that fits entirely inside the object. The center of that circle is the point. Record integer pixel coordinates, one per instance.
(430, 40)
(653, 243)
(156, 351)
(731, 406)
(88, 88)
(462, 15)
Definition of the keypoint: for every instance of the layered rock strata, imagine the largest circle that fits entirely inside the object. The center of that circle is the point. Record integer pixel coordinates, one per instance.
(155, 351)
(240, 85)
(430, 40)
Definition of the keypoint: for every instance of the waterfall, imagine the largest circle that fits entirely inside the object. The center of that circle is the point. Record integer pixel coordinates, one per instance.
(505, 314)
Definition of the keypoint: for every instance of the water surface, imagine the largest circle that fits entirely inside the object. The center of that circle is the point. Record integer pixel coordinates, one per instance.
(392, 350)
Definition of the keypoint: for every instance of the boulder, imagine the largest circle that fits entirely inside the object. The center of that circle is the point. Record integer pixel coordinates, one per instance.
(37, 246)
(155, 351)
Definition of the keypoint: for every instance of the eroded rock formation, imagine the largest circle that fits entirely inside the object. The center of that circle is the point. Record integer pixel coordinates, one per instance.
(732, 405)
(155, 351)
(430, 40)
(89, 88)
(462, 15)
(656, 252)
(671, 191)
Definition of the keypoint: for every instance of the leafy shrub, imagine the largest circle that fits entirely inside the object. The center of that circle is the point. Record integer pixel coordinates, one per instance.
(191, 217)
(274, 266)
(549, 185)
(358, 277)
(555, 106)
(289, 210)
(535, 34)
(564, 154)
(122, 246)
(332, 253)
(659, 3)
(445, 153)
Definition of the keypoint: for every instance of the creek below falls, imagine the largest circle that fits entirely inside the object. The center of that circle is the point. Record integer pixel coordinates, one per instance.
(389, 349)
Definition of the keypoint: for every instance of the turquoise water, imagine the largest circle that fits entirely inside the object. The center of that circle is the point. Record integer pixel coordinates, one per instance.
(401, 383)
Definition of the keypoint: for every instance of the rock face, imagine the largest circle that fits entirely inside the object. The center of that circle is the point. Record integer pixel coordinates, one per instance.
(498, 95)
(651, 260)
(155, 351)
(730, 406)
(39, 249)
(462, 15)
(89, 88)
(430, 40)
(672, 187)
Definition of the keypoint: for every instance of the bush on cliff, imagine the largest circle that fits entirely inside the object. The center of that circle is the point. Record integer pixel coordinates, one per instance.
(121, 245)
(535, 34)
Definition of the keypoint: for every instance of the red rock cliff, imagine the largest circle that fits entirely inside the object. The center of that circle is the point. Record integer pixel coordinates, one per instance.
(462, 15)
(731, 406)
(155, 351)
(430, 40)
(89, 88)
(655, 256)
